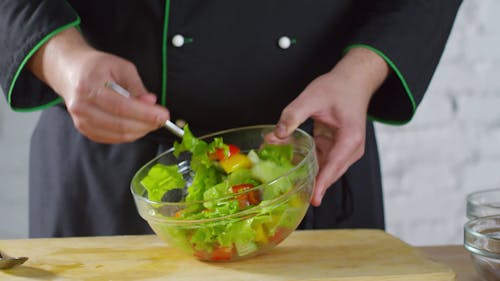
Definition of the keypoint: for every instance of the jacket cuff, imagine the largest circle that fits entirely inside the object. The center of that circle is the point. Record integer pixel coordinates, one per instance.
(410, 36)
(32, 25)
(401, 100)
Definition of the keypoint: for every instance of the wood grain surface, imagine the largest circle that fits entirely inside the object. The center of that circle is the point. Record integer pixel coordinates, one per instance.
(456, 257)
(355, 255)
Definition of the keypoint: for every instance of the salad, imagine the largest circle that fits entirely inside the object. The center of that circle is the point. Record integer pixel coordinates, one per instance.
(225, 183)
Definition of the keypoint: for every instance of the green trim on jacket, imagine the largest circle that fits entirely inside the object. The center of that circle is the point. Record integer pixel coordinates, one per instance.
(25, 61)
(164, 54)
(401, 78)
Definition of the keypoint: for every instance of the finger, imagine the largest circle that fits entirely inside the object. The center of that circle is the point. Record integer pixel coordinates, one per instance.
(149, 98)
(101, 126)
(292, 116)
(273, 139)
(108, 137)
(126, 75)
(334, 162)
(130, 108)
(130, 128)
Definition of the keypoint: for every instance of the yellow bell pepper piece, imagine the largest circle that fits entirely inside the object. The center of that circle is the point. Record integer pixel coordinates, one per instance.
(260, 234)
(295, 201)
(235, 162)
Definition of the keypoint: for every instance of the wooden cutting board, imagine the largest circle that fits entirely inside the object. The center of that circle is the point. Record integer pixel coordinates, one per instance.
(353, 255)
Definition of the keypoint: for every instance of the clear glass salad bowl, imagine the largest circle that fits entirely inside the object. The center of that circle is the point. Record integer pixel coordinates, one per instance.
(483, 203)
(482, 240)
(248, 231)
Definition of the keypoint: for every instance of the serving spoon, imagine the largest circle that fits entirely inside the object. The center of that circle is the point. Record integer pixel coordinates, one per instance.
(168, 124)
(7, 261)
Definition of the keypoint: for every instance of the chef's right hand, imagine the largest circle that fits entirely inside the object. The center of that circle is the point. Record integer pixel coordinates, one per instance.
(78, 73)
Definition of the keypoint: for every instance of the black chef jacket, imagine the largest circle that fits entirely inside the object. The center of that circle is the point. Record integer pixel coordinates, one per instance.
(218, 64)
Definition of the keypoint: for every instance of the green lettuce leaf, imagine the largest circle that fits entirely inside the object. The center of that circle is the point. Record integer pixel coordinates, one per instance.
(204, 178)
(199, 149)
(267, 171)
(160, 179)
(279, 154)
(241, 234)
(241, 176)
(217, 191)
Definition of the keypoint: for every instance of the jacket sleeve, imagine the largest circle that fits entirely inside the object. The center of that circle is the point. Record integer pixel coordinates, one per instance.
(25, 25)
(410, 35)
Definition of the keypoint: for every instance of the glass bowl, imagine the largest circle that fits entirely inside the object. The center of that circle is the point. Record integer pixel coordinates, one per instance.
(482, 240)
(483, 203)
(248, 232)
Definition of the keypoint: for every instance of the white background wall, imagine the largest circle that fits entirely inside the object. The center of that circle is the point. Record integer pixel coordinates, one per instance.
(451, 148)
(15, 132)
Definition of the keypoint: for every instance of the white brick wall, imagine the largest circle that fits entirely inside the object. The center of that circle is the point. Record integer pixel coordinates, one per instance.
(451, 148)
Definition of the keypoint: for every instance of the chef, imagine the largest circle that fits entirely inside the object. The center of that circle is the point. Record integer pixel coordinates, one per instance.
(331, 67)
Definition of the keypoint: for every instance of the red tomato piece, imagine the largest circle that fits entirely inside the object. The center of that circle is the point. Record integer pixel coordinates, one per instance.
(248, 198)
(241, 187)
(243, 201)
(202, 255)
(178, 214)
(218, 154)
(254, 197)
(222, 254)
(279, 235)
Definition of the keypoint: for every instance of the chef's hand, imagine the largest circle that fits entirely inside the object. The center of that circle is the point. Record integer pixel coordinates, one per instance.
(337, 102)
(78, 73)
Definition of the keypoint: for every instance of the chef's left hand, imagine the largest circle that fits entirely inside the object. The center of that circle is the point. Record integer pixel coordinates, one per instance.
(337, 102)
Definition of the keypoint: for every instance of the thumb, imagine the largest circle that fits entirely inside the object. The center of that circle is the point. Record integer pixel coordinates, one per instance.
(292, 117)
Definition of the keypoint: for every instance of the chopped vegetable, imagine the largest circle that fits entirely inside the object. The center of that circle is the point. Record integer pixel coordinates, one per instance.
(223, 153)
(160, 179)
(222, 253)
(235, 162)
(246, 198)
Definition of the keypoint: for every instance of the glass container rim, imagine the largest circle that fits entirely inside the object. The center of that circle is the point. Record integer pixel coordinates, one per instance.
(471, 196)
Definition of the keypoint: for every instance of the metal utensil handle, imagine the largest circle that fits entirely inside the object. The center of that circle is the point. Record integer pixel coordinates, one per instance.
(168, 124)
(117, 88)
(173, 128)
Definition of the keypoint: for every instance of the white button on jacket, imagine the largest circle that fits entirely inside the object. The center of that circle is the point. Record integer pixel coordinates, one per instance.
(178, 40)
(284, 42)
